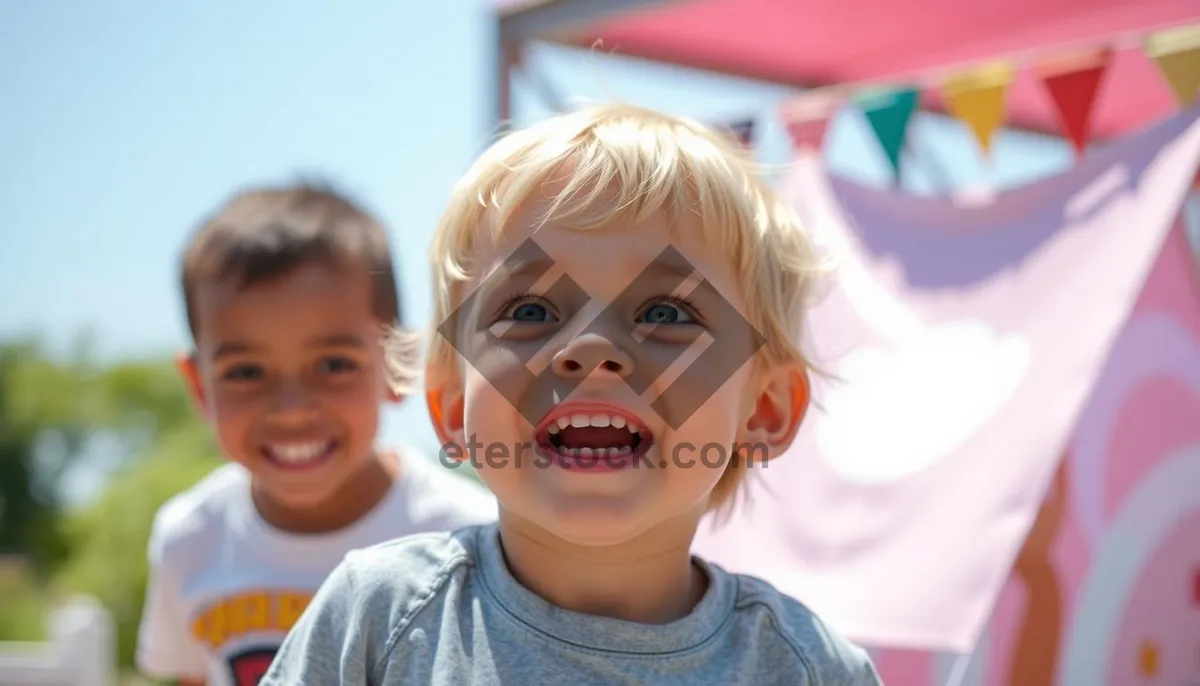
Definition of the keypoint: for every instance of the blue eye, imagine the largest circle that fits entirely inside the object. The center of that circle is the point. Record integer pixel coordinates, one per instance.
(530, 312)
(666, 313)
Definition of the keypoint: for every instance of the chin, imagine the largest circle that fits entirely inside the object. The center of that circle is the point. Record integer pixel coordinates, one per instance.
(585, 530)
(302, 491)
(302, 499)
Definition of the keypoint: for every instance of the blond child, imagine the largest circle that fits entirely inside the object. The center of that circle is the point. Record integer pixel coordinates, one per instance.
(618, 300)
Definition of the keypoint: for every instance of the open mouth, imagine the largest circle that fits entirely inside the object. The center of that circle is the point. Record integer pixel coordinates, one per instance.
(299, 454)
(594, 440)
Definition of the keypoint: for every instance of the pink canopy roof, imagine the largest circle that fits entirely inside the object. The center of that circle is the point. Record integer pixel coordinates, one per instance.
(809, 44)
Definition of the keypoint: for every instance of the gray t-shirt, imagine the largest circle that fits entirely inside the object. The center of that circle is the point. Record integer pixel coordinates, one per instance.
(444, 609)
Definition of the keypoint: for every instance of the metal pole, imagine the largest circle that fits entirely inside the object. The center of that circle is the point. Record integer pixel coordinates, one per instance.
(502, 58)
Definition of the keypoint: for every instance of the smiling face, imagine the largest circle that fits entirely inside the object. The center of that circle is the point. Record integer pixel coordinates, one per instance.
(289, 371)
(550, 404)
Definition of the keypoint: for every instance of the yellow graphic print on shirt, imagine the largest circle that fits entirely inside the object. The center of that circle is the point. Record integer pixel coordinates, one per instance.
(249, 612)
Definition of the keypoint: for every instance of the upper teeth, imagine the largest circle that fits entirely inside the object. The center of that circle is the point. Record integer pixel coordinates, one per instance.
(298, 452)
(581, 421)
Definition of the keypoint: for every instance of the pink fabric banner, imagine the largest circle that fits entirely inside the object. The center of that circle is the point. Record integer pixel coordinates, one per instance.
(967, 340)
(1106, 587)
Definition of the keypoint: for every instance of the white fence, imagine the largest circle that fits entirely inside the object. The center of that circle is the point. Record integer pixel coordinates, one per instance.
(80, 651)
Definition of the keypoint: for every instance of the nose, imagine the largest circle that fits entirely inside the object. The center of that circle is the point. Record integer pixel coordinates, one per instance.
(589, 353)
(292, 402)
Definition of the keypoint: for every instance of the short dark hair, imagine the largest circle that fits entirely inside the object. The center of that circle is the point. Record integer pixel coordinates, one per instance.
(263, 233)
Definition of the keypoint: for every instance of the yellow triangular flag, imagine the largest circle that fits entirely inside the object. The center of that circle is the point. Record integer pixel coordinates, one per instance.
(1177, 53)
(978, 98)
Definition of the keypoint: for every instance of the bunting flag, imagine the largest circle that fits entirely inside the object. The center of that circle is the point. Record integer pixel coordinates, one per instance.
(742, 131)
(1073, 82)
(978, 95)
(889, 112)
(978, 99)
(807, 119)
(1177, 53)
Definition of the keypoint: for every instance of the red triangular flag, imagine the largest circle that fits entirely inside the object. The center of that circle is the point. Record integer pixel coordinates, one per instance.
(807, 118)
(808, 133)
(1073, 83)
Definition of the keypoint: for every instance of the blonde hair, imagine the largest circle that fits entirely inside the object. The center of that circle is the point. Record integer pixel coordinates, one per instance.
(655, 162)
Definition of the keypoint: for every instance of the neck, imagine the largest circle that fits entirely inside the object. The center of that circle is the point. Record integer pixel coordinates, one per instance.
(360, 494)
(650, 579)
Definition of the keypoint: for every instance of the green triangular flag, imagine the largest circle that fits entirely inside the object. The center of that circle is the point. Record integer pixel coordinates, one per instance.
(888, 112)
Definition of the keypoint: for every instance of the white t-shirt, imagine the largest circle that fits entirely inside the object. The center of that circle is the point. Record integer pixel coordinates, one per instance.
(225, 587)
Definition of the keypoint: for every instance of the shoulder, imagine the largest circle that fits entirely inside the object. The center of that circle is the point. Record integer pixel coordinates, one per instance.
(196, 512)
(443, 498)
(414, 566)
(389, 588)
(829, 656)
(379, 602)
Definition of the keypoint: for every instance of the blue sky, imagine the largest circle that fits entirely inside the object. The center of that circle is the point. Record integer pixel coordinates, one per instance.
(123, 122)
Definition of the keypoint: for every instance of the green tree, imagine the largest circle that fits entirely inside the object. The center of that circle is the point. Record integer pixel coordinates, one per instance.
(46, 415)
(51, 413)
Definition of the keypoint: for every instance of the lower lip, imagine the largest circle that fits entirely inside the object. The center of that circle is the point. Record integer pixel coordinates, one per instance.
(304, 466)
(594, 464)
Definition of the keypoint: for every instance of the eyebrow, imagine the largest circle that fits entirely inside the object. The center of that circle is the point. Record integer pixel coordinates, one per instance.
(671, 268)
(231, 348)
(536, 267)
(338, 340)
(681, 272)
(531, 268)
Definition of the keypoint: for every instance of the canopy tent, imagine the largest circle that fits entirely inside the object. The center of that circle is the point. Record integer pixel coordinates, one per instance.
(815, 44)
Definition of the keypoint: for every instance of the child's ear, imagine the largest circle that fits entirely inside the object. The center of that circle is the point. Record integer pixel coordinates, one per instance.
(189, 370)
(779, 409)
(447, 412)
